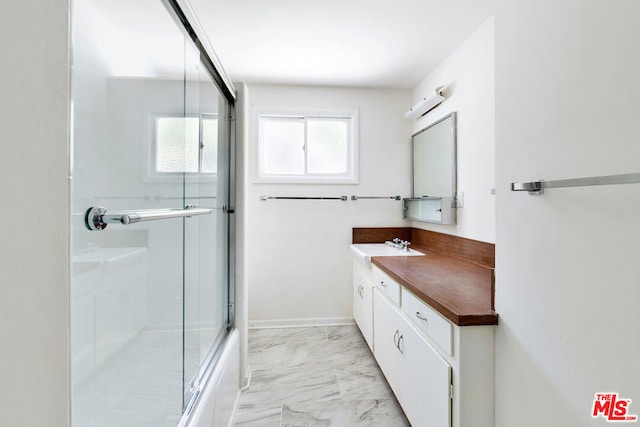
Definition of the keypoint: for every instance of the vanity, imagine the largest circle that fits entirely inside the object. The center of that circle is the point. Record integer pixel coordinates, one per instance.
(428, 318)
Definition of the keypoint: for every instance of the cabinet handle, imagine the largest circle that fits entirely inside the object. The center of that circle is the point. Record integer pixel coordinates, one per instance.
(401, 339)
(382, 284)
(394, 338)
(421, 317)
(361, 291)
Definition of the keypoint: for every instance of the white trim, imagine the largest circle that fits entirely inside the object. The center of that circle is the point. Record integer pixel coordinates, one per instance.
(300, 323)
(353, 161)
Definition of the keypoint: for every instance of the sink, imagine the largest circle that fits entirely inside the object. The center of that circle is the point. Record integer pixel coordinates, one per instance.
(368, 250)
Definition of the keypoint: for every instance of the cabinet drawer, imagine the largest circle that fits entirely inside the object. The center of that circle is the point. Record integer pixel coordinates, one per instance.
(387, 285)
(428, 321)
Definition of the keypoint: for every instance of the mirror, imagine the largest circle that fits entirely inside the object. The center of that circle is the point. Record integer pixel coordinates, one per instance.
(434, 159)
(434, 173)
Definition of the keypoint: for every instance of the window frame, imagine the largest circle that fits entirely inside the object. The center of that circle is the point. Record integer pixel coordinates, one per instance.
(353, 152)
(152, 173)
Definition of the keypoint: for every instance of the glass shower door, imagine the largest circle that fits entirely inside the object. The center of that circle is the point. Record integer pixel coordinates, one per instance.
(149, 288)
(206, 238)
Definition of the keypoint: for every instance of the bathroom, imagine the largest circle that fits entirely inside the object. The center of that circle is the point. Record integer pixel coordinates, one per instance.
(542, 91)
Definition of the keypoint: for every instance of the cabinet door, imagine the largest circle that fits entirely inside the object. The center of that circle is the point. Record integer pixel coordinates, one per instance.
(357, 300)
(426, 379)
(363, 307)
(386, 333)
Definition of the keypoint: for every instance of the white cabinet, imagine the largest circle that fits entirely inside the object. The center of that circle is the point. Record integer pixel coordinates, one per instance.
(441, 373)
(362, 299)
(419, 377)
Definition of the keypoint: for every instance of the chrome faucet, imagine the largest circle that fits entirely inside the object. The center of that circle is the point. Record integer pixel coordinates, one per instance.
(399, 244)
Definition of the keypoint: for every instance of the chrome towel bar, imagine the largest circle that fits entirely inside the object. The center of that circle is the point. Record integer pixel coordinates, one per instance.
(537, 187)
(156, 198)
(96, 218)
(343, 198)
(376, 197)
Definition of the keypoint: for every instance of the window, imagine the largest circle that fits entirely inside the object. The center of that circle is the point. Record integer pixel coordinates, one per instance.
(311, 149)
(185, 144)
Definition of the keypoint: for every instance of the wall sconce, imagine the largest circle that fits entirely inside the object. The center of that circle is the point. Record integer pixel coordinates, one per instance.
(427, 104)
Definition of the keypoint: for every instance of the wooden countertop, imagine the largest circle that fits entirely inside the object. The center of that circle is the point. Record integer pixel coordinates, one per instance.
(458, 289)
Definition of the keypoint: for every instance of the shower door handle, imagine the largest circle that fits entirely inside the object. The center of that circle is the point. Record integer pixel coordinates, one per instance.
(96, 218)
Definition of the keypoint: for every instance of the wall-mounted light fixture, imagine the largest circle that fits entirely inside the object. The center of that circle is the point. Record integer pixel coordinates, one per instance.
(426, 104)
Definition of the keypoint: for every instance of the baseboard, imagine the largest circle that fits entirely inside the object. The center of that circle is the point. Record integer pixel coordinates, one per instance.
(300, 323)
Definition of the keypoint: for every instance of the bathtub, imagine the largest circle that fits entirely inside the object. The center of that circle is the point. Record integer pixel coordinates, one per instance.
(217, 402)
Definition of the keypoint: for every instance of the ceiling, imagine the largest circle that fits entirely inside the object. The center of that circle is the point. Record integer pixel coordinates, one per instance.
(359, 43)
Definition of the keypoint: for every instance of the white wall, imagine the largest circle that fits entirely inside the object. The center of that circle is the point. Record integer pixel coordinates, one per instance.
(34, 247)
(568, 264)
(469, 73)
(299, 264)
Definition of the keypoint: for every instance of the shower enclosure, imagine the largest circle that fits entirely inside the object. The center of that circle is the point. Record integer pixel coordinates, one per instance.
(152, 287)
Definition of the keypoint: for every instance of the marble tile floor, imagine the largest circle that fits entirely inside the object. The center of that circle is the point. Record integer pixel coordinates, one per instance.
(315, 376)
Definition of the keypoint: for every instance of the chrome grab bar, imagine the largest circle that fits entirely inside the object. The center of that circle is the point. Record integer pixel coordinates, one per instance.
(96, 218)
(537, 187)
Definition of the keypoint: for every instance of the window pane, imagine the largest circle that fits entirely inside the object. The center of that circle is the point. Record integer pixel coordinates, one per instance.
(327, 145)
(210, 141)
(177, 144)
(283, 145)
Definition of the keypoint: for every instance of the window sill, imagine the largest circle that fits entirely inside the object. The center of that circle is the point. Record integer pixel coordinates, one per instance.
(306, 180)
